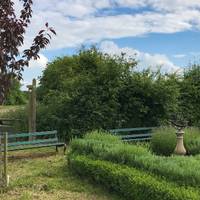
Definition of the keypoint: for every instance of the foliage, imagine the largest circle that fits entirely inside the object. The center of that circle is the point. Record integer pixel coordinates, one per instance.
(102, 136)
(192, 141)
(148, 99)
(92, 90)
(15, 95)
(129, 182)
(13, 28)
(190, 95)
(82, 91)
(163, 141)
(181, 170)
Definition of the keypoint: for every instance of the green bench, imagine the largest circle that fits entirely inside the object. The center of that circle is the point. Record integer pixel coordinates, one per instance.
(22, 141)
(133, 134)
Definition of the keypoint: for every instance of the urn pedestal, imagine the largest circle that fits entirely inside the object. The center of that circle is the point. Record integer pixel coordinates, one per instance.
(180, 149)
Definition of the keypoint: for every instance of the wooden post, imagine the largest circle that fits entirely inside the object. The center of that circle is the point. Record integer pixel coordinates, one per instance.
(1, 160)
(32, 107)
(6, 158)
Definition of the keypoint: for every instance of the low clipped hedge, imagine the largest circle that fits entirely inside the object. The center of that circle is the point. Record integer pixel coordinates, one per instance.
(181, 170)
(129, 182)
(163, 141)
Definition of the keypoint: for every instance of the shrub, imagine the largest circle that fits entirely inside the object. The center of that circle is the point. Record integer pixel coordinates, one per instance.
(92, 90)
(102, 136)
(182, 170)
(164, 141)
(129, 182)
(192, 141)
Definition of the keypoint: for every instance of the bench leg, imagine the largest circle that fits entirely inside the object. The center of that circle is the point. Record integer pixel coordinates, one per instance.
(65, 147)
(56, 149)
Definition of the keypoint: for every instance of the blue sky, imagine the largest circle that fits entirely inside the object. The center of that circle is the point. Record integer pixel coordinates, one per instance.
(157, 32)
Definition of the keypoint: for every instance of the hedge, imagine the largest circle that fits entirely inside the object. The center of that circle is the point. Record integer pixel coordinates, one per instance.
(182, 170)
(129, 182)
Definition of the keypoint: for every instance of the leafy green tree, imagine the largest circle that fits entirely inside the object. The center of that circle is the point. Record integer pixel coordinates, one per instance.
(92, 90)
(83, 90)
(190, 95)
(148, 99)
(15, 95)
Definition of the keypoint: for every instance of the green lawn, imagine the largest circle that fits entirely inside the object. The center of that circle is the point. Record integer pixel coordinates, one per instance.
(43, 174)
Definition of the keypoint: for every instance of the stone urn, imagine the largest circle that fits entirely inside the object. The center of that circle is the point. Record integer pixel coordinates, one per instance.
(180, 149)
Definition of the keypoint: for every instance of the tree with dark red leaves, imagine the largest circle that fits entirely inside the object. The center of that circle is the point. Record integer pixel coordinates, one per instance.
(12, 30)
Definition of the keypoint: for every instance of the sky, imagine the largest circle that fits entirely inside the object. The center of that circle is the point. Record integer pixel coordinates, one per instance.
(156, 32)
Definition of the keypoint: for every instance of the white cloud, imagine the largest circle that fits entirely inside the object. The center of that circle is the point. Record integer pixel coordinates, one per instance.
(179, 56)
(76, 22)
(174, 5)
(146, 60)
(39, 63)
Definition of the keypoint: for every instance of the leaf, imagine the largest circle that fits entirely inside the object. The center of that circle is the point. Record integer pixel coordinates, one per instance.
(41, 32)
(52, 30)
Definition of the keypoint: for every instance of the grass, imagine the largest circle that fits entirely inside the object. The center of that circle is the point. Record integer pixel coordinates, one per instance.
(42, 174)
(5, 109)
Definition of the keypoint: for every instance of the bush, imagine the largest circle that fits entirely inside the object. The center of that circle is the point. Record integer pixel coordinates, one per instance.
(181, 170)
(190, 95)
(92, 90)
(129, 182)
(102, 136)
(164, 141)
(192, 141)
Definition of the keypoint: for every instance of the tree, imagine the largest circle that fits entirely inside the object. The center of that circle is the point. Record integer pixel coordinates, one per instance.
(81, 92)
(92, 90)
(12, 30)
(190, 95)
(15, 95)
(148, 98)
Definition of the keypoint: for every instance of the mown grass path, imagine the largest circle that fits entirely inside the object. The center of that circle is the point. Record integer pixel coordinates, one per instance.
(42, 174)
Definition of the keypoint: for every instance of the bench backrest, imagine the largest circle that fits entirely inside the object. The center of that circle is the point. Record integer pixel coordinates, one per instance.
(133, 134)
(30, 139)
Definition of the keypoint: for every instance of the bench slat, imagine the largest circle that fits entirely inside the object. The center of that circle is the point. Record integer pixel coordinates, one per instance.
(136, 139)
(136, 135)
(131, 129)
(20, 135)
(34, 142)
(50, 139)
